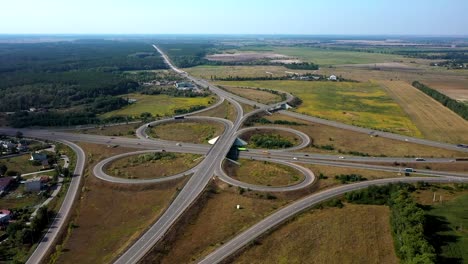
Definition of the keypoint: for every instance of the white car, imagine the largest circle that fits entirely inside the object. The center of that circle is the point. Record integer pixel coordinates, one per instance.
(341, 157)
(294, 158)
(179, 144)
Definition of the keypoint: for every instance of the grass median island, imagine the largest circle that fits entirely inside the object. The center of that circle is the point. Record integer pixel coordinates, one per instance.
(345, 142)
(109, 217)
(125, 130)
(152, 165)
(187, 131)
(263, 173)
(270, 139)
(352, 234)
(225, 110)
(361, 104)
(158, 105)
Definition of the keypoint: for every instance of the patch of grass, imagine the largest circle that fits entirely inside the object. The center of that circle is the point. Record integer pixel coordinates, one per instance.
(16, 198)
(263, 173)
(187, 131)
(109, 217)
(433, 119)
(146, 166)
(360, 104)
(325, 236)
(20, 164)
(158, 105)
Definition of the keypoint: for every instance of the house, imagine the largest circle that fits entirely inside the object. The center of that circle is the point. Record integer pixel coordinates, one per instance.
(44, 179)
(45, 164)
(5, 216)
(332, 78)
(5, 183)
(8, 145)
(33, 185)
(184, 86)
(22, 147)
(38, 156)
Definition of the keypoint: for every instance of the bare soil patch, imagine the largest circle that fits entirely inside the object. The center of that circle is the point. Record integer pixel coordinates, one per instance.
(245, 56)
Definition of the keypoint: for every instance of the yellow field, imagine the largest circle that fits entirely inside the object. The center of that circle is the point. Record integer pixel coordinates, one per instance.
(353, 234)
(362, 104)
(434, 120)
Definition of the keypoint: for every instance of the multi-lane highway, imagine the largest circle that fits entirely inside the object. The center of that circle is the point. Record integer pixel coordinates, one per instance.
(212, 165)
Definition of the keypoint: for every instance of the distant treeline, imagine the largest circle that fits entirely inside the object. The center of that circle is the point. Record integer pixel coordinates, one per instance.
(459, 108)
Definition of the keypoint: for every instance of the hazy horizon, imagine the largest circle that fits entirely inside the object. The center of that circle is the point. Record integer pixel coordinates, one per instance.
(209, 17)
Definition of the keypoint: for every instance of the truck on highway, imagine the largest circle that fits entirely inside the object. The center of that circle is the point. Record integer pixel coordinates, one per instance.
(179, 117)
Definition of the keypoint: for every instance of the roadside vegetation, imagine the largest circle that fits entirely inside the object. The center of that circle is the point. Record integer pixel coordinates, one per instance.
(124, 130)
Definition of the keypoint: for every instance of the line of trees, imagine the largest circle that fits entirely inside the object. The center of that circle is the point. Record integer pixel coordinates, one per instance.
(459, 108)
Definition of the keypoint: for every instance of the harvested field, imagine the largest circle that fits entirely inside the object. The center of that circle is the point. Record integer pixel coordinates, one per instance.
(345, 142)
(225, 110)
(434, 120)
(208, 72)
(263, 173)
(143, 167)
(361, 104)
(353, 234)
(245, 56)
(257, 95)
(187, 131)
(449, 82)
(101, 223)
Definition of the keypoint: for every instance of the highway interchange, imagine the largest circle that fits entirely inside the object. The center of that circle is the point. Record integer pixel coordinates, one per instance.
(212, 165)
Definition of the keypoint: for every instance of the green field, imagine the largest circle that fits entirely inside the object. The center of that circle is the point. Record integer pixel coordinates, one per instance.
(329, 57)
(449, 222)
(208, 71)
(20, 164)
(157, 105)
(362, 104)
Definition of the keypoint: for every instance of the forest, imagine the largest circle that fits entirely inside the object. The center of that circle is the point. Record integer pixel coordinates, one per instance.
(69, 82)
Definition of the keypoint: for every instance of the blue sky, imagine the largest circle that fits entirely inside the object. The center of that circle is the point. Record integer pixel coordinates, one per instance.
(373, 17)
